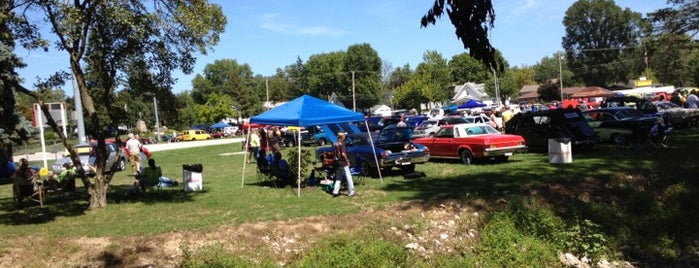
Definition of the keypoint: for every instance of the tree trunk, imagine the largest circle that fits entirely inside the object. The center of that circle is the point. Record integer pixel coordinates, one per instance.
(98, 192)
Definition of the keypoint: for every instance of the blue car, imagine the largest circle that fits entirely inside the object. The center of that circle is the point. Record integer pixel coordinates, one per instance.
(392, 148)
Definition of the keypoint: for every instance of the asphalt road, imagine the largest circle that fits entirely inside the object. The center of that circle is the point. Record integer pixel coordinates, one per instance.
(39, 156)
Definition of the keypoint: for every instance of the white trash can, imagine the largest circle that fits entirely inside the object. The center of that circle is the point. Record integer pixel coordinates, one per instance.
(191, 177)
(560, 151)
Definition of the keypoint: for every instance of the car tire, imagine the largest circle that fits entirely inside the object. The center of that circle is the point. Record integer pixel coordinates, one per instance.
(466, 157)
(408, 169)
(322, 142)
(617, 138)
(366, 168)
(431, 135)
(502, 158)
(193, 139)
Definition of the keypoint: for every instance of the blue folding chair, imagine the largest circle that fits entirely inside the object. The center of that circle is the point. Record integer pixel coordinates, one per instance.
(356, 171)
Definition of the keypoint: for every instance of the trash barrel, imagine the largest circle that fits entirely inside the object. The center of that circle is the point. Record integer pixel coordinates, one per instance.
(192, 178)
(560, 151)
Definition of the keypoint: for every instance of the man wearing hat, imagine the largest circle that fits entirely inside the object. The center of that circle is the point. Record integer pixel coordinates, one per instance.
(133, 146)
(342, 165)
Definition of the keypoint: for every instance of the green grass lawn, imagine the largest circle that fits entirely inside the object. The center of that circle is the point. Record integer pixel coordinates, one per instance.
(617, 182)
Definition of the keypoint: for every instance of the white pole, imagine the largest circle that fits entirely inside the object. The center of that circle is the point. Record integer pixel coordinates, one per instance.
(298, 182)
(157, 121)
(245, 156)
(373, 149)
(560, 75)
(41, 132)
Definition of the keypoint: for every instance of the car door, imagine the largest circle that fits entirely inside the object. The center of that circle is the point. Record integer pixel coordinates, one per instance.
(443, 143)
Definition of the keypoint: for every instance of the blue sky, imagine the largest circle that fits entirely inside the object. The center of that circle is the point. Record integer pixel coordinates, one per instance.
(270, 34)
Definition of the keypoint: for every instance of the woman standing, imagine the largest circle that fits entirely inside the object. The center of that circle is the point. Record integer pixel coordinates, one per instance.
(254, 146)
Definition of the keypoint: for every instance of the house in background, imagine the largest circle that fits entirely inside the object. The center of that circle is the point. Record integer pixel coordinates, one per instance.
(469, 91)
(382, 110)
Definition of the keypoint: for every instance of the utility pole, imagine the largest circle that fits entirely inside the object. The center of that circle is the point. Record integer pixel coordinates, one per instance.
(157, 121)
(354, 99)
(560, 75)
(267, 89)
(79, 111)
(497, 89)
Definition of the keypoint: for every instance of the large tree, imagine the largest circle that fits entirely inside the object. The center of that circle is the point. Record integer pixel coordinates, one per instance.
(102, 38)
(672, 50)
(434, 71)
(325, 75)
(216, 76)
(601, 41)
(465, 68)
(551, 67)
(364, 65)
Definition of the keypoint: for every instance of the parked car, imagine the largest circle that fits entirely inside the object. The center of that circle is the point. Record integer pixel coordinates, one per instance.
(674, 115)
(415, 120)
(537, 127)
(83, 151)
(193, 135)
(619, 124)
(377, 123)
(307, 135)
(430, 126)
(392, 147)
(472, 141)
(216, 134)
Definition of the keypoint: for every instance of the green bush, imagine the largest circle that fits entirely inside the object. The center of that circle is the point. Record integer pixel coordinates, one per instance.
(587, 239)
(214, 256)
(346, 250)
(306, 163)
(503, 244)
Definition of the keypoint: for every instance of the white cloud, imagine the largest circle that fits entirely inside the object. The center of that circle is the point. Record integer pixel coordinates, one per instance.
(273, 22)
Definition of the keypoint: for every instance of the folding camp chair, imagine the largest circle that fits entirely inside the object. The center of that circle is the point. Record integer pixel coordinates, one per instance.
(357, 172)
(30, 189)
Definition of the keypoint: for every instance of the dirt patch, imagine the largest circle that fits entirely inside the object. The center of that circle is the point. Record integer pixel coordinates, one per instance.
(425, 228)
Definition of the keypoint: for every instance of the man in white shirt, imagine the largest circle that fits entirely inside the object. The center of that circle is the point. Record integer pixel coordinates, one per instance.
(133, 146)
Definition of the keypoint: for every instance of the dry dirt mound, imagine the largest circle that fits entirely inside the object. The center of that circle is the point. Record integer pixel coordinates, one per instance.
(284, 239)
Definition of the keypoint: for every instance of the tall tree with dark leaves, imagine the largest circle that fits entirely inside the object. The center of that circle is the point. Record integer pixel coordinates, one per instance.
(326, 75)
(365, 63)
(434, 70)
(472, 19)
(601, 41)
(465, 68)
(673, 48)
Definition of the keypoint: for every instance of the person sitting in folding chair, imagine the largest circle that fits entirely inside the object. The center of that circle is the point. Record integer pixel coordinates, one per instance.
(281, 169)
(152, 176)
(63, 182)
(25, 184)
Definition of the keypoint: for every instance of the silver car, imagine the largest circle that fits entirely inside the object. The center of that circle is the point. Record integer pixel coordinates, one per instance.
(83, 151)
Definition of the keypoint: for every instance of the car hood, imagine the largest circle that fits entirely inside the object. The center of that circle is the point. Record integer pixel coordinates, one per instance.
(395, 135)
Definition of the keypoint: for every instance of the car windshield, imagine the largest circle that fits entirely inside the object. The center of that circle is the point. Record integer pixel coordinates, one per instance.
(456, 120)
(427, 124)
(480, 130)
(628, 113)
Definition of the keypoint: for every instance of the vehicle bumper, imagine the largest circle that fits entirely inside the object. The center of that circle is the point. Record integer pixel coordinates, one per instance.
(507, 151)
(403, 161)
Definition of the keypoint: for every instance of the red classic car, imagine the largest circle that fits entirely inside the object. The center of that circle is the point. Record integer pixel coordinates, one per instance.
(470, 141)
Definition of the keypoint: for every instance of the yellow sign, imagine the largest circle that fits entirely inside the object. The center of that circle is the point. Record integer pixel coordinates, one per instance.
(643, 83)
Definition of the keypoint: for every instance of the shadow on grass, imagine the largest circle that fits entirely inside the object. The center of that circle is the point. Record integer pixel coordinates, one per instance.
(75, 204)
(644, 200)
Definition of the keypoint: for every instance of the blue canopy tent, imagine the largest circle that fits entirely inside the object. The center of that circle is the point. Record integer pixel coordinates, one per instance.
(471, 104)
(305, 111)
(219, 125)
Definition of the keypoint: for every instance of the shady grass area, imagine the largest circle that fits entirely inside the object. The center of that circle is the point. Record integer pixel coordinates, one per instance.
(611, 202)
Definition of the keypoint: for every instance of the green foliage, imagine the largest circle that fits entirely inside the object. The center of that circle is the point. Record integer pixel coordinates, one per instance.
(411, 94)
(549, 91)
(325, 75)
(365, 62)
(436, 76)
(587, 239)
(465, 68)
(306, 163)
(346, 250)
(216, 108)
(215, 256)
(599, 41)
(503, 244)
(549, 68)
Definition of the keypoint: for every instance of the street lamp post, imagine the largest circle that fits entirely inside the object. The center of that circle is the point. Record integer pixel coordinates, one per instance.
(157, 121)
(560, 74)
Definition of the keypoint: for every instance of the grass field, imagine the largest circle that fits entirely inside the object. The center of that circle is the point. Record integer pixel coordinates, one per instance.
(640, 202)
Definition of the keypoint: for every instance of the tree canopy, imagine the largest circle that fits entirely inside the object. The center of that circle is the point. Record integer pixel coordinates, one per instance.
(601, 40)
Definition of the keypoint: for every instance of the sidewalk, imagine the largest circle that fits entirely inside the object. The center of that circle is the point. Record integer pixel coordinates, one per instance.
(39, 156)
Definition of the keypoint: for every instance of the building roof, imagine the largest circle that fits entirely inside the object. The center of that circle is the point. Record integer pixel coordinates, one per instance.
(468, 91)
